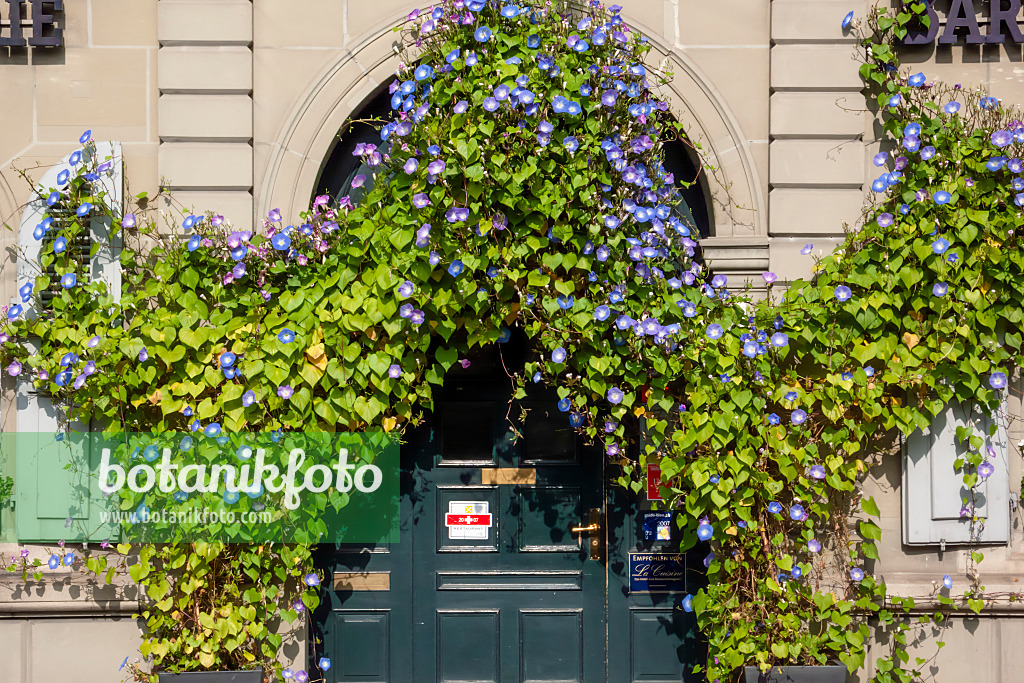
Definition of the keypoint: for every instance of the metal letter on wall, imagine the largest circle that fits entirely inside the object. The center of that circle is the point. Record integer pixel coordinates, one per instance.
(15, 37)
(44, 33)
(961, 15)
(1001, 19)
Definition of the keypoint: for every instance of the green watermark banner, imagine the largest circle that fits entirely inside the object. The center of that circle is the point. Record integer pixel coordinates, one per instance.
(296, 487)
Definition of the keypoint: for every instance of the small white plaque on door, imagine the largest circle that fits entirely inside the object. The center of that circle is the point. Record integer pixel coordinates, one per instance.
(468, 520)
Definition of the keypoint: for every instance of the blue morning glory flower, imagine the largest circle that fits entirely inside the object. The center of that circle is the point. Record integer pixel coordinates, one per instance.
(927, 153)
(705, 532)
(939, 289)
(239, 252)
(940, 245)
(988, 103)
(227, 359)
(286, 336)
(602, 312)
(997, 380)
(847, 20)
(212, 429)
(917, 80)
(774, 507)
(565, 302)
(881, 158)
(193, 242)
(857, 574)
(912, 130)
(84, 209)
(281, 241)
(482, 34)
(423, 72)
(324, 663)
(796, 512)
(869, 371)
(510, 11)
(558, 355)
(750, 349)
(689, 309)
(564, 405)
(798, 416)
(248, 398)
(69, 280)
(895, 100)
(774, 419)
(942, 197)
(571, 143)
(533, 41)
(471, 59)
(780, 339)
(53, 198)
(491, 104)
(951, 107)
(843, 293)
(456, 268)
(53, 562)
(947, 581)
(615, 395)
(714, 331)
(63, 177)
(1001, 138)
(406, 289)
(26, 291)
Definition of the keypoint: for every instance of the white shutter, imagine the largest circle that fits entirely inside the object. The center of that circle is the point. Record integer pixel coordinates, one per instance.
(933, 492)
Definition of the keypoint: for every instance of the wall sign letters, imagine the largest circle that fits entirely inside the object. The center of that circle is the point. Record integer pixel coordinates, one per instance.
(42, 14)
(962, 19)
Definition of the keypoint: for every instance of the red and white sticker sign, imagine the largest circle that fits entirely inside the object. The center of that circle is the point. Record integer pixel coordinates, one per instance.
(468, 520)
(653, 482)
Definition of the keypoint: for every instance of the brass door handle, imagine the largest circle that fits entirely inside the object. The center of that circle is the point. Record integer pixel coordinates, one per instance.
(596, 519)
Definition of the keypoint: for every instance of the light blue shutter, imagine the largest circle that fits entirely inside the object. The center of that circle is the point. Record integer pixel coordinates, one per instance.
(46, 493)
(933, 492)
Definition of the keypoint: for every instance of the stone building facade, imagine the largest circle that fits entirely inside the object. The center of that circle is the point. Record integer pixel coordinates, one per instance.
(234, 105)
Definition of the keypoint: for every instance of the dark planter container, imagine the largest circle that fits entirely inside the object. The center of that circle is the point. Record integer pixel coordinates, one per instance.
(254, 676)
(796, 674)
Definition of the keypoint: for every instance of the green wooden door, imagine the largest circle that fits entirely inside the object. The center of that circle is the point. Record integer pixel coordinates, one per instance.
(489, 582)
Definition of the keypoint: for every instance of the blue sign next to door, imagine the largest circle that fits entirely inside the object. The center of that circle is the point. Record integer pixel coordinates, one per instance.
(657, 573)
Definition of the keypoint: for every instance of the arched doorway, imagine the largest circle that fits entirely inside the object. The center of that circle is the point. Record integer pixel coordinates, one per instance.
(518, 559)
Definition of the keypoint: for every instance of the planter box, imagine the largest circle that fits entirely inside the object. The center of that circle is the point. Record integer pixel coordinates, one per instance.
(254, 676)
(796, 674)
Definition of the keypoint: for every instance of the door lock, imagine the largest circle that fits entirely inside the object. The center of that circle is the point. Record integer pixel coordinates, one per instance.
(593, 529)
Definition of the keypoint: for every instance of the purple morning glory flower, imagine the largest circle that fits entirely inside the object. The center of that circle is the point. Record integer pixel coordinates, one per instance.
(705, 532)
(997, 380)
(491, 104)
(615, 395)
(435, 167)
(798, 417)
(248, 398)
(807, 249)
(769, 277)
(939, 289)
(417, 317)
(311, 580)
(817, 472)
(406, 289)
(286, 336)
(714, 331)
(558, 355)
(986, 470)
(411, 165)
(843, 293)
(884, 220)
(1001, 138)
(608, 98)
(456, 268)
(813, 545)
(457, 215)
(940, 245)
(927, 153)
(395, 371)
(857, 574)
(797, 513)
(14, 369)
(420, 200)
(285, 391)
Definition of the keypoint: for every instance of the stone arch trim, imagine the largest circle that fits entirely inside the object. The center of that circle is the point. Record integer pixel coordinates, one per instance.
(736, 201)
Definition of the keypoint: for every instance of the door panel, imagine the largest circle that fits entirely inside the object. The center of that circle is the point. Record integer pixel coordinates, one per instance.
(524, 600)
